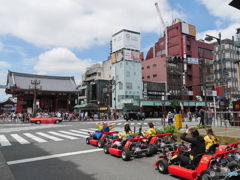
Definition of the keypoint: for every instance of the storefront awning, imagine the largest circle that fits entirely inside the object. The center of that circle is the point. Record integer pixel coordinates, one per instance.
(103, 108)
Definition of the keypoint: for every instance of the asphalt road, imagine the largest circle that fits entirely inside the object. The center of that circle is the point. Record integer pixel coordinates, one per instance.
(64, 155)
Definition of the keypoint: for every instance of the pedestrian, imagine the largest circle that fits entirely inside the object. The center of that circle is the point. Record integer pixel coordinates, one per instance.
(209, 118)
(170, 117)
(201, 114)
(189, 115)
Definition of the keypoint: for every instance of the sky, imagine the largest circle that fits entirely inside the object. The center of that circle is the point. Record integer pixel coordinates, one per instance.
(64, 37)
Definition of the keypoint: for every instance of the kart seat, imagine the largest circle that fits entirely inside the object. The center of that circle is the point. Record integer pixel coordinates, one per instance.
(212, 149)
(194, 163)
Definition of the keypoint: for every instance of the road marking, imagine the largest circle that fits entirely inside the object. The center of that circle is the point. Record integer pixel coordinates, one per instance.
(4, 141)
(49, 136)
(73, 134)
(51, 156)
(79, 132)
(20, 139)
(38, 139)
(62, 135)
(87, 130)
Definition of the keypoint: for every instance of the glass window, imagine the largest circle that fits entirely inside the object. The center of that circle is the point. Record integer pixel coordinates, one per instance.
(128, 85)
(127, 74)
(154, 65)
(148, 67)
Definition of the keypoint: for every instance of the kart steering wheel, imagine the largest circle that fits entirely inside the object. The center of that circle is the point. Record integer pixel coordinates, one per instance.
(183, 148)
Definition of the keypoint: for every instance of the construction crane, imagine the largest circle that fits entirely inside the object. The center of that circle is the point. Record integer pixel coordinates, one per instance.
(160, 16)
(165, 28)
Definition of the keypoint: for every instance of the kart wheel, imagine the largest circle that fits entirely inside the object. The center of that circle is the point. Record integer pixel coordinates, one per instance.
(150, 150)
(100, 143)
(155, 148)
(126, 155)
(163, 166)
(208, 174)
(142, 118)
(87, 140)
(131, 119)
(105, 149)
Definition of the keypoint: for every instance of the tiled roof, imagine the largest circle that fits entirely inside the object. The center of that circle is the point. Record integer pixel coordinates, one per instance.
(9, 99)
(47, 83)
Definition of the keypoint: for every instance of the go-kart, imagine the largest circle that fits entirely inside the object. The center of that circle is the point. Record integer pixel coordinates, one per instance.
(101, 139)
(162, 142)
(134, 147)
(203, 166)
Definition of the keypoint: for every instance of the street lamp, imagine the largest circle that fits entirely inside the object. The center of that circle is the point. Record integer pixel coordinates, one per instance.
(34, 87)
(115, 115)
(210, 38)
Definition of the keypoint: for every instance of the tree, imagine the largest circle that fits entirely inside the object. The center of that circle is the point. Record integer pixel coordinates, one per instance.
(175, 103)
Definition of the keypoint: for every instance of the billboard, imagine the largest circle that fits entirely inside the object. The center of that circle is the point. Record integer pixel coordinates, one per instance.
(188, 29)
(237, 40)
(126, 39)
(115, 57)
(133, 55)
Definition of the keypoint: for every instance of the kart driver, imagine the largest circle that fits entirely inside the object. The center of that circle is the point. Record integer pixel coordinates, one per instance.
(151, 131)
(197, 147)
(125, 135)
(102, 127)
(210, 138)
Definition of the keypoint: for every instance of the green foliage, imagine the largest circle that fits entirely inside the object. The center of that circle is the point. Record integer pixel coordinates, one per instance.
(175, 103)
(199, 126)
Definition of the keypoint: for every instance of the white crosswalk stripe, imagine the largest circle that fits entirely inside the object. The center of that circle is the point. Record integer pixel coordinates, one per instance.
(38, 139)
(20, 139)
(79, 132)
(73, 134)
(41, 137)
(62, 135)
(49, 136)
(4, 141)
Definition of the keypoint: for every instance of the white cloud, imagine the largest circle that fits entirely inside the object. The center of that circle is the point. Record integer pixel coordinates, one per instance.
(79, 23)
(4, 65)
(60, 61)
(3, 81)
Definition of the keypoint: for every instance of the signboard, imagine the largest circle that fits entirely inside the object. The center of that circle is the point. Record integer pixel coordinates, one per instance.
(126, 101)
(192, 60)
(237, 40)
(133, 55)
(3, 86)
(126, 39)
(210, 93)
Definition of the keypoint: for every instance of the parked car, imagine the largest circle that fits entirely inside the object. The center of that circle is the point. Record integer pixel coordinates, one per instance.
(134, 115)
(45, 118)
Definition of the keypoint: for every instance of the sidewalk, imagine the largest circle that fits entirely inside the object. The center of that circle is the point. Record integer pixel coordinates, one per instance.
(5, 172)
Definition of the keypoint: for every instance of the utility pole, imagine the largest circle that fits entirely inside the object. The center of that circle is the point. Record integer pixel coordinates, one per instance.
(34, 86)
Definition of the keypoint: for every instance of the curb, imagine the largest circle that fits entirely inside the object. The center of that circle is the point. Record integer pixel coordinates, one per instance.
(5, 171)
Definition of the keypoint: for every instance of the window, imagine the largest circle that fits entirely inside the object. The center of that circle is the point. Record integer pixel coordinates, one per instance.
(148, 67)
(148, 77)
(99, 74)
(154, 65)
(128, 85)
(120, 85)
(127, 74)
(155, 75)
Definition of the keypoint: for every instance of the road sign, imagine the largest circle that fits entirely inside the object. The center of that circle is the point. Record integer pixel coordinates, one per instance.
(3, 86)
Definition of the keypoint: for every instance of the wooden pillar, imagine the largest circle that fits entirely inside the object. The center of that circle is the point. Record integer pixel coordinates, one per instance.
(56, 102)
(19, 106)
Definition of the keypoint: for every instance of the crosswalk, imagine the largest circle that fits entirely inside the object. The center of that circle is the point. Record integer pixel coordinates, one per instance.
(16, 137)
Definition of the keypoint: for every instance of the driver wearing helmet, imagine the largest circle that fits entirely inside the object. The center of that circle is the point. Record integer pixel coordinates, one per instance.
(197, 146)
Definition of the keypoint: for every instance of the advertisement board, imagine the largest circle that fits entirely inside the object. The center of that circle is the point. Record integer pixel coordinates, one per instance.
(237, 40)
(126, 39)
(133, 55)
(188, 29)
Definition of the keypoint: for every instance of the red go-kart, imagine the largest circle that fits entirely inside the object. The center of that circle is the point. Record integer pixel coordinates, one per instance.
(134, 147)
(100, 142)
(203, 166)
(162, 142)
